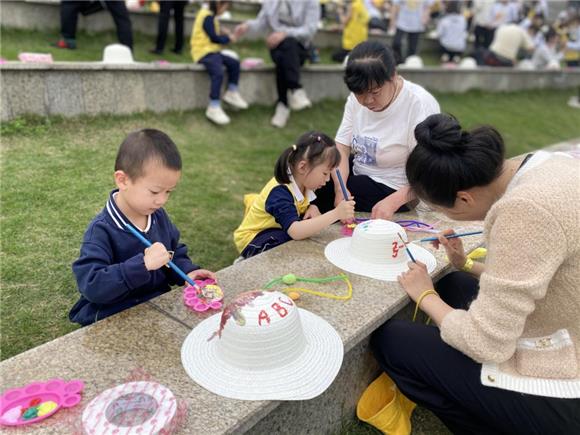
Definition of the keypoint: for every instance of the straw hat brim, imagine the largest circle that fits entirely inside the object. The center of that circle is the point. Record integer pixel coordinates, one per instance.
(338, 253)
(308, 376)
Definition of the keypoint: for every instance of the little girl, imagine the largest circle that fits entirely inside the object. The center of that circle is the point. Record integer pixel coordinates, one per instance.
(282, 210)
(206, 46)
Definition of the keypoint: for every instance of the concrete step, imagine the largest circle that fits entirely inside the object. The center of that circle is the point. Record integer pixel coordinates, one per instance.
(92, 88)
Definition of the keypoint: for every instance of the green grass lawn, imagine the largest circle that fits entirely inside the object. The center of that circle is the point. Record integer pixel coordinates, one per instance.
(91, 45)
(56, 175)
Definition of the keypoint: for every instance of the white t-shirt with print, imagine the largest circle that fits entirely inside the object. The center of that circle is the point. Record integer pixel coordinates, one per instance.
(410, 18)
(382, 141)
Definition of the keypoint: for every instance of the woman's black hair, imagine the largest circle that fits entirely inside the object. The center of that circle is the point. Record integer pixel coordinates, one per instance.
(448, 159)
(314, 147)
(370, 64)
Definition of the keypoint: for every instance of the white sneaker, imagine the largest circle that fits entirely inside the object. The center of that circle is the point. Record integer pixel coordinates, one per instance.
(298, 100)
(234, 99)
(217, 115)
(281, 116)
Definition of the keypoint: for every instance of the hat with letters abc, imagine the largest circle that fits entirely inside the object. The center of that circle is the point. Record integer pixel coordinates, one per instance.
(263, 347)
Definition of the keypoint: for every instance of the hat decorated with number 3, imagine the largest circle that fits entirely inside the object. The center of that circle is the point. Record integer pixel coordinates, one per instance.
(375, 250)
(263, 347)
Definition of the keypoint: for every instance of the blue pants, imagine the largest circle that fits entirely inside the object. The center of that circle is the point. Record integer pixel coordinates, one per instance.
(265, 240)
(214, 63)
(447, 382)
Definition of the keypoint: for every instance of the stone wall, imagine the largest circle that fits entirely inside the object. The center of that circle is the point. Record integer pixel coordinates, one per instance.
(72, 89)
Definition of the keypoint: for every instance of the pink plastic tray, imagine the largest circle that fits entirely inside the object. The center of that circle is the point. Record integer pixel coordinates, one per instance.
(207, 295)
(15, 401)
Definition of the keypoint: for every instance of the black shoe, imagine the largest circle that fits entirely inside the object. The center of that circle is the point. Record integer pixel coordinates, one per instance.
(155, 51)
(176, 51)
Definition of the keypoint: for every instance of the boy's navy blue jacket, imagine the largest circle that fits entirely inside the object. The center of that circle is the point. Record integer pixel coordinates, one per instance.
(110, 271)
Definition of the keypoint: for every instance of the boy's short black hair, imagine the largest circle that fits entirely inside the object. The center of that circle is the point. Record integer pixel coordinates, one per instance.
(141, 146)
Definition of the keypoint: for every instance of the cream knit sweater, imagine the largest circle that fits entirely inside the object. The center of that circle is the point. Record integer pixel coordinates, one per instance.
(530, 288)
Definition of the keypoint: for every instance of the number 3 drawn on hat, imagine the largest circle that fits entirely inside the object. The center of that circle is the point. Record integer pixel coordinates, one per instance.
(395, 249)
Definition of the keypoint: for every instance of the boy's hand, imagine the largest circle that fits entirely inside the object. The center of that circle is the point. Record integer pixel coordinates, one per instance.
(202, 274)
(345, 210)
(156, 256)
(312, 212)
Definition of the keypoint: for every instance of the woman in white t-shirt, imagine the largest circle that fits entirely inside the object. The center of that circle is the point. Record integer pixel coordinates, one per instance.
(377, 128)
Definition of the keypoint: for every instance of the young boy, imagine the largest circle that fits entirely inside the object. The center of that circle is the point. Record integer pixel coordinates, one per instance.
(114, 271)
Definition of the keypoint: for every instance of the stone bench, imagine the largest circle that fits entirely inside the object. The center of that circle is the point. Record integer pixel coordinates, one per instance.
(91, 88)
(149, 337)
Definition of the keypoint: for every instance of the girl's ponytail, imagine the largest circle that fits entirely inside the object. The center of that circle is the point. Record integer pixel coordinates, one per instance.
(315, 147)
(281, 167)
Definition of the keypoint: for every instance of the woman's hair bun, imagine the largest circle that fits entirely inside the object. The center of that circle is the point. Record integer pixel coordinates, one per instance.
(440, 133)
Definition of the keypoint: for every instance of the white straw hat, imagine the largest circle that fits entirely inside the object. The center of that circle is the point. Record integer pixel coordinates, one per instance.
(412, 62)
(375, 250)
(117, 54)
(468, 63)
(263, 347)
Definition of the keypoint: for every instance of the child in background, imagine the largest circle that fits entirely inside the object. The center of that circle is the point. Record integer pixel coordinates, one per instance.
(355, 28)
(282, 210)
(206, 45)
(572, 52)
(452, 33)
(114, 271)
(503, 12)
(548, 54)
(408, 17)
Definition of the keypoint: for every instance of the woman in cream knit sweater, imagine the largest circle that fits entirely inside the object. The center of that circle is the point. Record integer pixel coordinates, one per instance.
(505, 357)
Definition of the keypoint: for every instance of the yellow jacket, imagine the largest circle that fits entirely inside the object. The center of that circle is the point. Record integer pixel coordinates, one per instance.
(257, 219)
(200, 42)
(356, 29)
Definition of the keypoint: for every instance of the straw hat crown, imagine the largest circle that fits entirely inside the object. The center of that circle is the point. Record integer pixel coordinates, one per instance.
(260, 330)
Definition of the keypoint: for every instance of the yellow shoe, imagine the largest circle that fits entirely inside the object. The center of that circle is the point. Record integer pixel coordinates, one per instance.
(383, 406)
